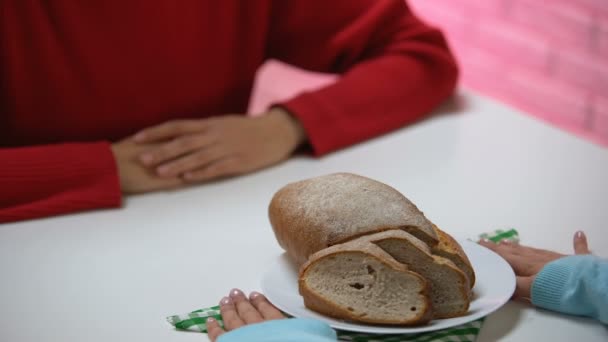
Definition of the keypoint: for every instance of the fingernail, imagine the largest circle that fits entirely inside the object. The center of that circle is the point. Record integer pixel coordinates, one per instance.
(225, 301)
(188, 175)
(505, 242)
(235, 293)
(253, 295)
(484, 240)
(210, 319)
(580, 234)
(139, 137)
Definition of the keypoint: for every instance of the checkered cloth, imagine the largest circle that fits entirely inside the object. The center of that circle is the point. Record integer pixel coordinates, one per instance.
(196, 320)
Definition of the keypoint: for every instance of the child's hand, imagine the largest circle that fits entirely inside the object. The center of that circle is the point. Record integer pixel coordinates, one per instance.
(238, 310)
(527, 261)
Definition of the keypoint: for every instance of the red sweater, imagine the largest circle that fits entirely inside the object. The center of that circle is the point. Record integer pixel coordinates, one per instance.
(77, 75)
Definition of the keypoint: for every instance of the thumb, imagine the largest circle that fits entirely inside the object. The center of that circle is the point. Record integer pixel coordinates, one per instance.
(580, 243)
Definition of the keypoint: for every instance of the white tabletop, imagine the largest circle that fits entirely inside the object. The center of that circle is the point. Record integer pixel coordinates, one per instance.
(115, 275)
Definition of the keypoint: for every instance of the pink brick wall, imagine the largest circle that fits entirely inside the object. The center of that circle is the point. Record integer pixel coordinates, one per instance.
(549, 58)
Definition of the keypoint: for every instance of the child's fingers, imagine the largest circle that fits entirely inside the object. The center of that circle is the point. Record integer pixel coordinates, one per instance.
(232, 320)
(267, 310)
(213, 329)
(580, 243)
(247, 312)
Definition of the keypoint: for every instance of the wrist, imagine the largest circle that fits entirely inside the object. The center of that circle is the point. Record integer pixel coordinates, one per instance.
(289, 125)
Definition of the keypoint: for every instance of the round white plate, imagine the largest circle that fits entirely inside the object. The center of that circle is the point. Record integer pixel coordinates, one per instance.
(494, 286)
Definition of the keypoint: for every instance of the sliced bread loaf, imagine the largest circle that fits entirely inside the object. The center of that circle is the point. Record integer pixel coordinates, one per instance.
(449, 287)
(310, 215)
(450, 249)
(358, 281)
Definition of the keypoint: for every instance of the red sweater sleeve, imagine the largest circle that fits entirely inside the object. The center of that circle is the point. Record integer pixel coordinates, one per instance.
(55, 179)
(394, 68)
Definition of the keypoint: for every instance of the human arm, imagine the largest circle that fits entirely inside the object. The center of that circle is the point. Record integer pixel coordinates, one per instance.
(47, 180)
(285, 330)
(576, 284)
(394, 68)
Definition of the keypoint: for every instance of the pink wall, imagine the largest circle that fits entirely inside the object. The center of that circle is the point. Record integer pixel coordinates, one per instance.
(549, 58)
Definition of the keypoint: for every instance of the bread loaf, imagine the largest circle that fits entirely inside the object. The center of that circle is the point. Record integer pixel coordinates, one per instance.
(360, 282)
(310, 215)
(367, 253)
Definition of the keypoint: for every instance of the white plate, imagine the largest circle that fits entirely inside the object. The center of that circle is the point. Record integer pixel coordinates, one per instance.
(494, 286)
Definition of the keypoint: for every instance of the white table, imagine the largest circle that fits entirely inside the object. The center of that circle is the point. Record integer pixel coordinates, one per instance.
(114, 275)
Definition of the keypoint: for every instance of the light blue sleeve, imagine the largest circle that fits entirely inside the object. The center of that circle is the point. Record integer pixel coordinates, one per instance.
(576, 285)
(283, 330)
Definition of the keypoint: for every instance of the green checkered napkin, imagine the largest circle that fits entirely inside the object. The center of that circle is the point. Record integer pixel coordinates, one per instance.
(196, 320)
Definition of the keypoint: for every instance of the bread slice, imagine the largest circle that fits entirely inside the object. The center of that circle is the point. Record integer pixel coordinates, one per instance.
(360, 282)
(450, 249)
(310, 215)
(449, 287)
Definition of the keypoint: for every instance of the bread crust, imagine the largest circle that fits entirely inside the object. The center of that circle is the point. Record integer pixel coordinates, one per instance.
(449, 248)
(313, 214)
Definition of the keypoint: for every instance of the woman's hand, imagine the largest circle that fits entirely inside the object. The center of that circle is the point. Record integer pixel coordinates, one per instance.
(134, 178)
(200, 150)
(238, 310)
(527, 261)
